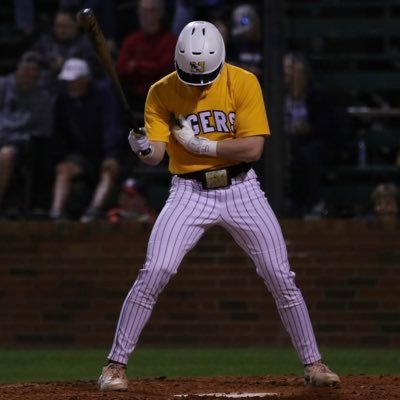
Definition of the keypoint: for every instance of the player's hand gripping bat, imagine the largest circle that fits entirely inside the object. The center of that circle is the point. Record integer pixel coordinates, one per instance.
(88, 21)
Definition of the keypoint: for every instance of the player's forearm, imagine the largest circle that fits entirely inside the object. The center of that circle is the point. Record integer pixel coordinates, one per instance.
(243, 149)
(149, 152)
(157, 154)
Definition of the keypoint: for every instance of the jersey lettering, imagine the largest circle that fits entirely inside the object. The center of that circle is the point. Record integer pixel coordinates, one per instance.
(232, 117)
(203, 123)
(221, 122)
(192, 119)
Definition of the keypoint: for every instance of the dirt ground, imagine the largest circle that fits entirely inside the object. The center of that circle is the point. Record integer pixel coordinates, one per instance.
(359, 387)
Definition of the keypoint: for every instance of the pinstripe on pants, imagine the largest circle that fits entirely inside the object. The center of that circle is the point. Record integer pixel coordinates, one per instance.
(242, 210)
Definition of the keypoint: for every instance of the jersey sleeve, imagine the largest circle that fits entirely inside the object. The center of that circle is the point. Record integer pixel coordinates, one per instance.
(157, 117)
(251, 116)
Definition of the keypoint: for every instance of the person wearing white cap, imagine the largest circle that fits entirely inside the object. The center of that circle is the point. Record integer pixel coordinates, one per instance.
(73, 69)
(88, 137)
(76, 72)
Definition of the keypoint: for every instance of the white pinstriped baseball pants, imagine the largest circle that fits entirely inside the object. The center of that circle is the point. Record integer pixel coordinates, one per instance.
(242, 210)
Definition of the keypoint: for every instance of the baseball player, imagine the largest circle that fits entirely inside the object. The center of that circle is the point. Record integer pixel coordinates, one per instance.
(210, 118)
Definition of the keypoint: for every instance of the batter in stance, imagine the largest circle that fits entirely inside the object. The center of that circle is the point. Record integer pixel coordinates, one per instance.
(210, 118)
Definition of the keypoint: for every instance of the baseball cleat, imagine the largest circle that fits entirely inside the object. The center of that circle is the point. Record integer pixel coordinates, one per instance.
(318, 374)
(113, 377)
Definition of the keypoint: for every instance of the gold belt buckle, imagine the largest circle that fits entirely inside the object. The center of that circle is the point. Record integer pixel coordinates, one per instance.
(216, 179)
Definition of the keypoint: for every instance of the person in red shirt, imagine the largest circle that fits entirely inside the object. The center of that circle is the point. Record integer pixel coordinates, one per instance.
(147, 54)
(132, 204)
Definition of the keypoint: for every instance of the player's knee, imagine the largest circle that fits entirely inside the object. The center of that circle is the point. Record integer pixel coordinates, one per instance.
(111, 167)
(287, 297)
(152, 280)
(67, 169)
(8, 153)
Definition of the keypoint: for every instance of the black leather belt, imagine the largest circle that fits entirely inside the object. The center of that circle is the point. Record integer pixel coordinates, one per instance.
(217, 178)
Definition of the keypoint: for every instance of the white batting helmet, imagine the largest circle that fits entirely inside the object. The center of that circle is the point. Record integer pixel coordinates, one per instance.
(199, 53)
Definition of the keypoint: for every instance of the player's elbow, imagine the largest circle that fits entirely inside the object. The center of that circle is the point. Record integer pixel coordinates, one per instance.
(253, 157)
(153, 161)
(255, 149)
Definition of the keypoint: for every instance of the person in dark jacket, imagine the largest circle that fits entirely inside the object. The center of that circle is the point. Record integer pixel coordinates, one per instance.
(106, 15)
(245, 44)
(65, 41)
(25, 116)
(311, 124)
(88, 138)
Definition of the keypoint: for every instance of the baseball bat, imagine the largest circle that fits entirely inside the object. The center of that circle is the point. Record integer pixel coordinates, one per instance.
(88, 21)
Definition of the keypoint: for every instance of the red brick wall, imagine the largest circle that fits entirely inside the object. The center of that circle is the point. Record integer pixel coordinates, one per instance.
(63, 284)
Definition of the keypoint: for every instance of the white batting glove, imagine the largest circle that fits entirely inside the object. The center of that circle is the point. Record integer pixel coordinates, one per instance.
(139, 143)
(182, 131)
(184, 134)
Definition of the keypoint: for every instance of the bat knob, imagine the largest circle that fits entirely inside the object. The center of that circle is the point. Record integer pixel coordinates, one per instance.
(85, 14)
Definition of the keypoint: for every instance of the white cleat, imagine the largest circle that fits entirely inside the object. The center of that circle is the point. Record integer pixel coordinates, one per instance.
(318, 374)
(113, 377)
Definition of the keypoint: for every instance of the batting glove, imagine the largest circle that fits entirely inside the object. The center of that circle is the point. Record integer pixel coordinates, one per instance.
(184, 134)
(140, 143)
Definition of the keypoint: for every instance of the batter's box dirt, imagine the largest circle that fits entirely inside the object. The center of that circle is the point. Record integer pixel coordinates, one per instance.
(360, 387)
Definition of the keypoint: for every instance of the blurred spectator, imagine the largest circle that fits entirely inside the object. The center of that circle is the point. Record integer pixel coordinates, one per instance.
(184, 12)
(385, 198)
(106, 14)
(147, 54)
(25, 116)
(312, 125)
(64, 42)
(132, 204)
(189, 10)
(221, 25)
(245, 49)
(24, 12)
(88, 138)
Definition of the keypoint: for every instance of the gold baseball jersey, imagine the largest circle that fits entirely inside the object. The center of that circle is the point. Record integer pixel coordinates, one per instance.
(231, 107)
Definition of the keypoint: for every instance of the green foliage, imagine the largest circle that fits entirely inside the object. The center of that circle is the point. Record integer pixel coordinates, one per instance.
(85, 364)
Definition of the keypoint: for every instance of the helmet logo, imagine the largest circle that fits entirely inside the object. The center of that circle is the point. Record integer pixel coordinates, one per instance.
(197, 66)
